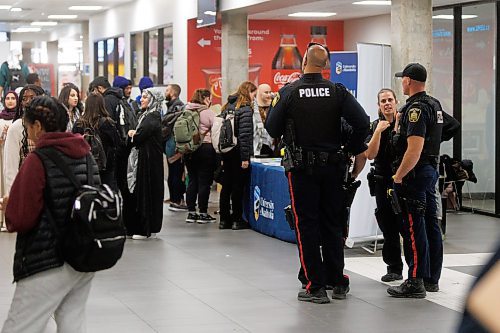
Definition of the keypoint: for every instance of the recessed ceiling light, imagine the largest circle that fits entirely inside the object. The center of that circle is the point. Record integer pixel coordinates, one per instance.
(6, 7)
(44, 23)
(62, 17)
(16, 9)
(451, 17)
(85, 8)
(311, 14)
(372, 3)
(27, 29)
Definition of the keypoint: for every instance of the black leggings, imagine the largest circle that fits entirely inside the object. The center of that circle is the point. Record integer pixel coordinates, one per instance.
(201, 166)
(233, 183)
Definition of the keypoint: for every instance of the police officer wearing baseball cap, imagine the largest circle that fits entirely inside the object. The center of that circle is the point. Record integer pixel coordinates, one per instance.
(308, 114)
(417, 145)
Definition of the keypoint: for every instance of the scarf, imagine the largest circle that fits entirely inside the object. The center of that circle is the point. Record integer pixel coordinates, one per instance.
(9, 114)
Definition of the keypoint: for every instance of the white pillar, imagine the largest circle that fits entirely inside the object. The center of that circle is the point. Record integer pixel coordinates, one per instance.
(411, 39)
(234, 60)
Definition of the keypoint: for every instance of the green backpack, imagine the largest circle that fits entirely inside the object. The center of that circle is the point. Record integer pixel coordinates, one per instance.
(187, 132)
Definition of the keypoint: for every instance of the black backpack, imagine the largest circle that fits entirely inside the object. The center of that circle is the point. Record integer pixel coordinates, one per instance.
(94, 236)
(15, 77)
(91, 135)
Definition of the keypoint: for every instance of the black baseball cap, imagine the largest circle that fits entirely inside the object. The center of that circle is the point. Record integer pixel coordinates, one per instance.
(414, 71)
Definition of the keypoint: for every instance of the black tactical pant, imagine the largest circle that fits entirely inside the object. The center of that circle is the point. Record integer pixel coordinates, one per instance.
(317, 204)
(390, 224)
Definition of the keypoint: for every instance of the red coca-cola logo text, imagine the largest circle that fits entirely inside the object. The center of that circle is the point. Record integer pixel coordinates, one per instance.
(282, 79)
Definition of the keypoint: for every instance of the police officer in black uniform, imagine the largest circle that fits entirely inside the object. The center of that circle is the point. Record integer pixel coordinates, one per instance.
(417, 145)
(380, 180)
(308, 114)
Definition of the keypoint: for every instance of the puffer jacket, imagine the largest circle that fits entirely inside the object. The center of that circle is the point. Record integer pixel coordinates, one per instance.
(244, 128)
(244, 131)
(41, 186)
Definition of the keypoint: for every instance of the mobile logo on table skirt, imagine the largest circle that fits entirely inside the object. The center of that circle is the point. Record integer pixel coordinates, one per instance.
(261, 206)
(256, 202)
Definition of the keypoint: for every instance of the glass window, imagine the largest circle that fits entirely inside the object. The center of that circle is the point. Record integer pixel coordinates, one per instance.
(100, 58)
(478, 103)
(110, 57)
(137, 55)
(121, 56)
(153, 56)
(442, 66)
(168, 56)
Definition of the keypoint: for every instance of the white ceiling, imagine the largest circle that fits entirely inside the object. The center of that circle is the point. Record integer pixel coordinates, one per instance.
(279, 9)
(38, 10)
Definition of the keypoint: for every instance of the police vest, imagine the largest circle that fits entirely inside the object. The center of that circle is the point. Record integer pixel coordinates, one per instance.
(316, 112)
(434, 127)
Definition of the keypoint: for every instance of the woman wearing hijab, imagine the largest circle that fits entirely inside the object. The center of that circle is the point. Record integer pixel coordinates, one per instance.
(11, 104)
(17, 145)
(70, 98)
(146, 168)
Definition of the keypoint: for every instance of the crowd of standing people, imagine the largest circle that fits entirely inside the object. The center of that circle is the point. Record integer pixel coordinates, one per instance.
(132, 139)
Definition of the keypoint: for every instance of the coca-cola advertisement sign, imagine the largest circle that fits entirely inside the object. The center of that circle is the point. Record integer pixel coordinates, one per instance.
(276, 49)
(285, 76)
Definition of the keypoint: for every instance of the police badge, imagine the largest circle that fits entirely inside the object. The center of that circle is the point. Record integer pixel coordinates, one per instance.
(414, 115)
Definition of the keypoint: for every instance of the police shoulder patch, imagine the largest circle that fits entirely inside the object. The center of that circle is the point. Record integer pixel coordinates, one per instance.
(414, 115)
(276, 99)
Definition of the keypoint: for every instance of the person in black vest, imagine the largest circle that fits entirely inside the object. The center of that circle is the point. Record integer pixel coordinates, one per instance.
(380, 178)
(417, 152)
(308, 114)
(46, 285)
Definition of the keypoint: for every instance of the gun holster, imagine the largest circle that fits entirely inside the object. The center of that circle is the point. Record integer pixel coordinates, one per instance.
(289, 217)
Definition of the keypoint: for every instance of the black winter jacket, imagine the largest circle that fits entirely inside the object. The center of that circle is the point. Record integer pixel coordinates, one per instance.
(112, 97)
(243, 127)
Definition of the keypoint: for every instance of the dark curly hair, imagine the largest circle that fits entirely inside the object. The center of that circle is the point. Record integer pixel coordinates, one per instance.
(49, 112)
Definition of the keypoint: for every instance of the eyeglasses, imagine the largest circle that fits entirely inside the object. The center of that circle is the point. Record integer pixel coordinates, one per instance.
(323, 46)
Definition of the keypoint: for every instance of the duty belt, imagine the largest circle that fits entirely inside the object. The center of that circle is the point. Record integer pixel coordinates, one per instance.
(315, 158)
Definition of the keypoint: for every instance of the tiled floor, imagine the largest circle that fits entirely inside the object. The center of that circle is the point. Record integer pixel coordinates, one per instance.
(196, 278)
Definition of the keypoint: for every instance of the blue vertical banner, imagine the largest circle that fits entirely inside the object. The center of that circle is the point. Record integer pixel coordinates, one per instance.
(345, 69)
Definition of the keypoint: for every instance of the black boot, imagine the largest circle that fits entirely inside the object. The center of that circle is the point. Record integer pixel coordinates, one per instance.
(411, 288)
(239, 225)
(225, 223)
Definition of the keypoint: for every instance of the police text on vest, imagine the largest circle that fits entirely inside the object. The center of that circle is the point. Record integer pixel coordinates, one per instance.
(314, 92)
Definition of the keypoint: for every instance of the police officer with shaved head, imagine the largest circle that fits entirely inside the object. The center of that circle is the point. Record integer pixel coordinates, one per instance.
(417, 144)
(307, 113)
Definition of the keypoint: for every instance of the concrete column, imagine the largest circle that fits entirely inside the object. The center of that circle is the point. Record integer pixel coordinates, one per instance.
(411, 40)
(234, 52)
(52, 50)
(86, 59)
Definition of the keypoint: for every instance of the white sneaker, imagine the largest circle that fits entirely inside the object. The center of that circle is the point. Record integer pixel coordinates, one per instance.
(139, 237)
(3, 229)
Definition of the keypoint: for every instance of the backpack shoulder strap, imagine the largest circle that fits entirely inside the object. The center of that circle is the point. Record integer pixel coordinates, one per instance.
(59, 162)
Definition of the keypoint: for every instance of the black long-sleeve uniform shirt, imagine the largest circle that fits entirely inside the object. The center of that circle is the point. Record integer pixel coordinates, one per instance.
(316, 106)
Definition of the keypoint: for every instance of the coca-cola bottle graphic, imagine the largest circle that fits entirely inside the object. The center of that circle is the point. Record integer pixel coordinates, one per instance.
(287, 63)
(318, 35)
